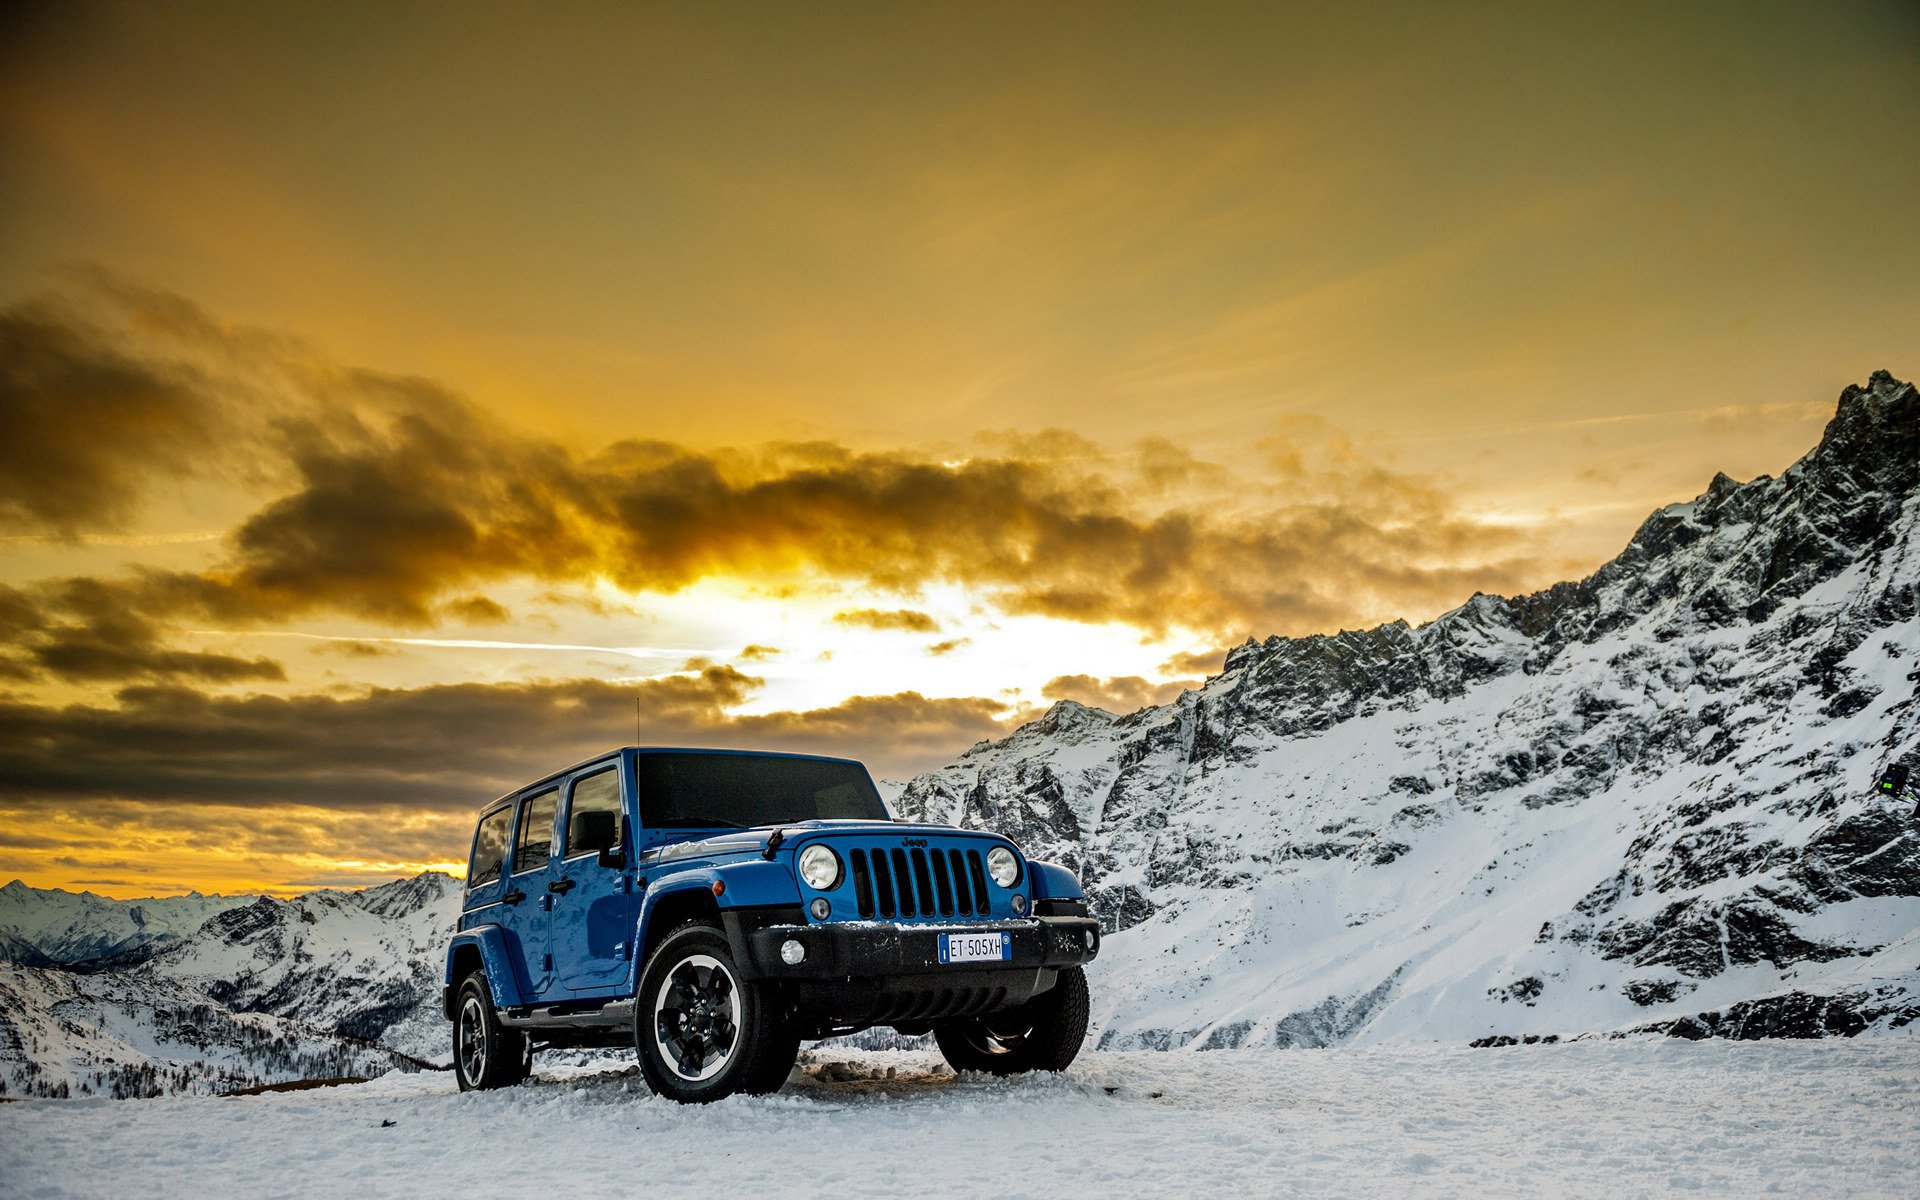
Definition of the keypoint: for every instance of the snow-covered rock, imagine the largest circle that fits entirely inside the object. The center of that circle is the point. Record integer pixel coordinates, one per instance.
(1641, 800)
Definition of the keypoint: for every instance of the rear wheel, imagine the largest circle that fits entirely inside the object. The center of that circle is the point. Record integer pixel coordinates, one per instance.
(485, 1053)
(703, 1031)
(1044, 1034)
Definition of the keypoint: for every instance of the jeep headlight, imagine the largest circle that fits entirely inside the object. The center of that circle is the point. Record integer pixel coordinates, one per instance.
(1003, 866)
(820, 868)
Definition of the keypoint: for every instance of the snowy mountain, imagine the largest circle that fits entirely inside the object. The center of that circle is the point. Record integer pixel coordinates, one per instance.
(365, 964)
(1641, 800)
(324, 985)
(47, 926)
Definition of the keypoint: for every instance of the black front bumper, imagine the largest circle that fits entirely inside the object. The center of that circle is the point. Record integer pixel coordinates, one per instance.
(858, 974)
(864, 949)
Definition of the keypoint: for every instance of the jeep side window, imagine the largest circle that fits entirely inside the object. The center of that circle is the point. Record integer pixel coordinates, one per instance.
(489, 848)
(597, 793)
(534, 840)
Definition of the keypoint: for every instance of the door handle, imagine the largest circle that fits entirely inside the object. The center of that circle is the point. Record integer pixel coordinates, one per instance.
(562, 886)
(513, 897)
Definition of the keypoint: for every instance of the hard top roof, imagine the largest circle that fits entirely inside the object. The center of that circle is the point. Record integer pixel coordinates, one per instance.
(623, 751)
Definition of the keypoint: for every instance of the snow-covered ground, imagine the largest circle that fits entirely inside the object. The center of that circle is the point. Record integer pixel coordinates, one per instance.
(1599, 1118)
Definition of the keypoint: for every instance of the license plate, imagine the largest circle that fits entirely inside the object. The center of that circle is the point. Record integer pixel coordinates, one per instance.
(975, 947)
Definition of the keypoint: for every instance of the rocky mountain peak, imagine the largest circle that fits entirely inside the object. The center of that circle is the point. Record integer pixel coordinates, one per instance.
(1636, 799)
(406, 896)
(1067, 717)
(1735, 551)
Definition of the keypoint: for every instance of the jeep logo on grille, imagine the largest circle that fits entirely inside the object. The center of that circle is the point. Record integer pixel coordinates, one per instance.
(913, 841)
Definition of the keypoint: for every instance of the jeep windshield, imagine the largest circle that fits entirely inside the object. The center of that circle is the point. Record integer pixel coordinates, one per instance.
(740, 791)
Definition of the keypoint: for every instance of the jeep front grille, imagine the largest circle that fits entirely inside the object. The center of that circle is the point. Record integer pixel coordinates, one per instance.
(919, 883)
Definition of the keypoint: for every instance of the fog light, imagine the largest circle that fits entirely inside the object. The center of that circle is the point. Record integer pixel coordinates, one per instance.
(1019, 905)
(792, 953)
(820, 908)
(1089, 939)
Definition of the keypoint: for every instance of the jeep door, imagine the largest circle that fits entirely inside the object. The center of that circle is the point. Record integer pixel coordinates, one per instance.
(526, 899)
(593, 906)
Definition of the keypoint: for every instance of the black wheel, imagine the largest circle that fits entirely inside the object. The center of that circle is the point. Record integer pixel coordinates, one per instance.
(1044, 1034)
(703, 1031)
(485, 1053)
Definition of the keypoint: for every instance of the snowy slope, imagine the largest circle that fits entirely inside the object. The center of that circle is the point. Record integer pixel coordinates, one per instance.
(1601, 1119)
(54, 925)
(1639, 800)
(65, 1034)
(366, 964)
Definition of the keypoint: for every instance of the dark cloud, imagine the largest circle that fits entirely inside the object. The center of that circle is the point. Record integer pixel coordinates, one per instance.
(84, 427)
(397, 507)
(905, 620)
(1198, 662)
(1119, 693)
(81, 630)
(355, 649)
(757, 653)
(940, 649)
(904, 733)
(1329, 542)
(440, 748)
(477, 610)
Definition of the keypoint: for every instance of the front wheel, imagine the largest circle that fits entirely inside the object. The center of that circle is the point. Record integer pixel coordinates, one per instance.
(701, 1030)
(1044, 1034)
(485, 1053)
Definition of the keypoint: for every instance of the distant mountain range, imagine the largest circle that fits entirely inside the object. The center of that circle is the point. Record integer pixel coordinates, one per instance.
(325, 985)
(54, 927)
(1638, 802)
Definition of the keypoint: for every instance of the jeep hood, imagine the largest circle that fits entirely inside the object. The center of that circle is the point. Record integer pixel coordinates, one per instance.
(754, 841)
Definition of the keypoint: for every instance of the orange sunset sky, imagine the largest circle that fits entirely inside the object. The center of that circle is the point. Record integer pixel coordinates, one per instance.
(401, 401)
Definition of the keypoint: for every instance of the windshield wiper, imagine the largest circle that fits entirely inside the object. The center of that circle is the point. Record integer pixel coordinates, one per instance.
(696, 822)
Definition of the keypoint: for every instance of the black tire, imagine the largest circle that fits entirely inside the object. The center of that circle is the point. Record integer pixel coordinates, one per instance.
(775, 1061)
(701, 1029)
(1044, 1034)
(486, 1054)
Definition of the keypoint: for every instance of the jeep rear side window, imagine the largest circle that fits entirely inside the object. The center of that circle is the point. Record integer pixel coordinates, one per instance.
(534, 842)
(599, 792)
(489, 848)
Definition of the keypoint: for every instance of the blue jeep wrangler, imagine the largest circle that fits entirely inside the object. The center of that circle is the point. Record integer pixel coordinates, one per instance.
(713, 908)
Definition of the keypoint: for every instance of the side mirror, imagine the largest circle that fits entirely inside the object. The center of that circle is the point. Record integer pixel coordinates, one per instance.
(600, 833)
